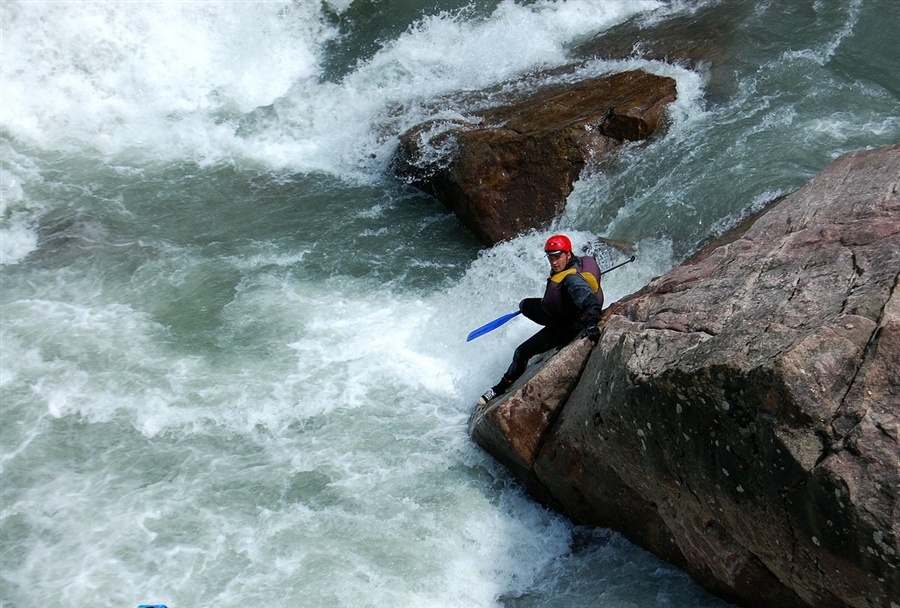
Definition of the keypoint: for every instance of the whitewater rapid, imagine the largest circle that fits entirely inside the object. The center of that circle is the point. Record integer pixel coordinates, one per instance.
(232, 347)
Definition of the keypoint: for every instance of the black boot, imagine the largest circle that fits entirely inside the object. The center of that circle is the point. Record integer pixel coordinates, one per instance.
(494, 392)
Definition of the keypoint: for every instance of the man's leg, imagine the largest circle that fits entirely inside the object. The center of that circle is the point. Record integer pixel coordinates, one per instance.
(546, 338)
(532, 309)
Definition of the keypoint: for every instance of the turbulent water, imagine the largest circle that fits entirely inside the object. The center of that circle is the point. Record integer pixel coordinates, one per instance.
(234, 368)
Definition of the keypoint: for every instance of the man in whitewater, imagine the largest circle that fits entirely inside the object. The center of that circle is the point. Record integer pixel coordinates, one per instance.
(571, 304)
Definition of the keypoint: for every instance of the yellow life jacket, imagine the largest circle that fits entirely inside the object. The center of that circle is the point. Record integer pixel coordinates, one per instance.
(587, 267)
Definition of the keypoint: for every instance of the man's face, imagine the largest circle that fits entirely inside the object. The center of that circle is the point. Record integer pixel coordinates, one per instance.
(558, 260)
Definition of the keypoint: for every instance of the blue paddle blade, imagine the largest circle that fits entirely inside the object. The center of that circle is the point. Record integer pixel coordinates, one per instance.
(491, 326)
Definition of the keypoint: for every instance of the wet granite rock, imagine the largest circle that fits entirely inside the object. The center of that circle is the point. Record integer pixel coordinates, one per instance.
(740, 416)
(513, 427)
(508, 168)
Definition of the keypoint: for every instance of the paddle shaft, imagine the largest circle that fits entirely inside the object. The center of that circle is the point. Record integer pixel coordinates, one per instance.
(628, 261)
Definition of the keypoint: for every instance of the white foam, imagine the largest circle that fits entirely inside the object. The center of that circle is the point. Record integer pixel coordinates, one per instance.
(239, 82)
(17, 240)
(177, 80)
(218, 491)
(124, 75)
(17, 211)
(384, 519)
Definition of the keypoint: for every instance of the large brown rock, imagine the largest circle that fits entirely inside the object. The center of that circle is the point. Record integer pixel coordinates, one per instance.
(740, 416)
(508, 169)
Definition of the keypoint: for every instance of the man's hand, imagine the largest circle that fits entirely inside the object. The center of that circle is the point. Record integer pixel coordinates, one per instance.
(592, 333)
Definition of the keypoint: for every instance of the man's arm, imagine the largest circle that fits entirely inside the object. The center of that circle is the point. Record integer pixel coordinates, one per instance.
(583, 297)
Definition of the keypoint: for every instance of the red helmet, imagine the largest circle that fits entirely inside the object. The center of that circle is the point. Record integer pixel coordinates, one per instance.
(558, 242)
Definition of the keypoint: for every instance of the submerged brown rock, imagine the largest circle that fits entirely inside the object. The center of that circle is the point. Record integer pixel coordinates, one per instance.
(740, 416)
(509, 168)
